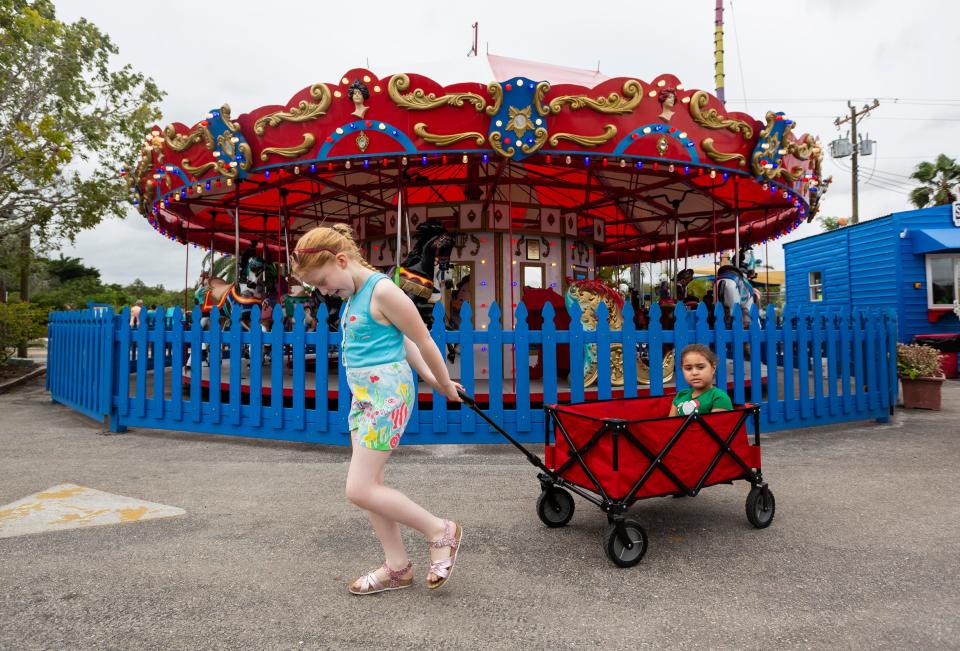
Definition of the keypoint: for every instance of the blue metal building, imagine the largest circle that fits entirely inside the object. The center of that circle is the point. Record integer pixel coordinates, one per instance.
(907, 260)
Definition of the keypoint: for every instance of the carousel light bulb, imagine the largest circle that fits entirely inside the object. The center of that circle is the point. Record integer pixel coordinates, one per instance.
(586, 160)
(567, 160)
(229, 182)
(713, 174)
(366, 163)
(199, 189)
(208, 185)
(623, 163)
(296, 169)
(347, 164)
(313, 167)
(423, 160)
(483, 262)
(686, 169)
(765, 186)
(234, 140)
(465, 159)
(486, 158)
(514, 262)
(639, 164)
(216, 154)
(725, 176)
(671, 167)
(786, 195)
(267, 174)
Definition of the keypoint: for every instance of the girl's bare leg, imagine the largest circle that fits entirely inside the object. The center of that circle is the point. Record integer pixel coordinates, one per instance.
(387, 507)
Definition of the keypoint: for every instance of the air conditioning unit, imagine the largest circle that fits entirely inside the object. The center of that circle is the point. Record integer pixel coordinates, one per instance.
(841, 148)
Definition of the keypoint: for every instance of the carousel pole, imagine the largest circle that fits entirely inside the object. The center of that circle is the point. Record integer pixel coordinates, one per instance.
(396, 261)
(736, 222)
(676, 255)
(186, 277)
(286, 234)
(236, 236)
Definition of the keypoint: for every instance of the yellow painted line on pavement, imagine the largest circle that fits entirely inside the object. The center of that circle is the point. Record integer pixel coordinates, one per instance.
(69, 506)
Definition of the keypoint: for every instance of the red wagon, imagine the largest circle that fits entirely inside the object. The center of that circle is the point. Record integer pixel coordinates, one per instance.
(615, 452)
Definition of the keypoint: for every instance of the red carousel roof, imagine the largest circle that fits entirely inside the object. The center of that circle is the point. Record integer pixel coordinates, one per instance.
(645, 158)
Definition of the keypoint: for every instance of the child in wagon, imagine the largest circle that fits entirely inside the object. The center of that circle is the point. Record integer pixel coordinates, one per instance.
(699, 365)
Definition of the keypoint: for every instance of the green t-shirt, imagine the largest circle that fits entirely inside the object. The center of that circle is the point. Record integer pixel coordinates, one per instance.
(706, 402)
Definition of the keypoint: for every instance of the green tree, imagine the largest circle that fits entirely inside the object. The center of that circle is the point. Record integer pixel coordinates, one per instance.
(67, 269)
(939, 181)
(68, 120)
(829, 223)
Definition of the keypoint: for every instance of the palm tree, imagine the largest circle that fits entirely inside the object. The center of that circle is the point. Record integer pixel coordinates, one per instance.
(222, 267)
(938, 181)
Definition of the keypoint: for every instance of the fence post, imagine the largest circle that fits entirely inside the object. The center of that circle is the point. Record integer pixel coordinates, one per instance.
(628, 348)
(439, 403)
(495, 366)
(468, 419)
(602, 355)
(521, 341)
(548, 350)
(576, 352)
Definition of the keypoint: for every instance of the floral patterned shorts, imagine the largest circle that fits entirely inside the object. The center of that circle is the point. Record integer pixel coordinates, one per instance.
(382, 402)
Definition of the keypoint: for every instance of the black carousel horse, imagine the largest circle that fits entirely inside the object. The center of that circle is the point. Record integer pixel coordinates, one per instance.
(430, 251)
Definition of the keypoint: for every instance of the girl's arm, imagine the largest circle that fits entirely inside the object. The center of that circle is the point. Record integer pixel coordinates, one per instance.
(398, 309)
(415, 359)
(673, 411)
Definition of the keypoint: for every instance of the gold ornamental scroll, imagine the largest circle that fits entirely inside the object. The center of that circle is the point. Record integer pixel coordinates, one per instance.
(304, 111)
(290, 152)
(721, 157)
(711, 119)
(609, 131)
(443, 140)
(417, 100)
(613, 103)
(179, 142)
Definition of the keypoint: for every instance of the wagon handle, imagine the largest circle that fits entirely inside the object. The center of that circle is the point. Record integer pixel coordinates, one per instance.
(534, 459)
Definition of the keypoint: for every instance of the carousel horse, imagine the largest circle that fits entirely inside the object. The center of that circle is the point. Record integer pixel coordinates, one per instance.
(733, 288)
(588, 294)
(417, 273)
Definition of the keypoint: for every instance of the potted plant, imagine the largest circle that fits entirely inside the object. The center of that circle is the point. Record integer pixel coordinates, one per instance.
(920, 375)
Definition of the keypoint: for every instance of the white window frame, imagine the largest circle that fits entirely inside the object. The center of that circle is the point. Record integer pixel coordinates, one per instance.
(811, 285)
(956, 290)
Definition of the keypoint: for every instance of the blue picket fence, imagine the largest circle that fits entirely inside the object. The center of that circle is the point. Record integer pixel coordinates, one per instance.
(825, 366)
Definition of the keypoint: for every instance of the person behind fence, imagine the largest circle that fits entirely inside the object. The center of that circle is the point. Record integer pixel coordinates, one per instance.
(383, 336)
(699, 365)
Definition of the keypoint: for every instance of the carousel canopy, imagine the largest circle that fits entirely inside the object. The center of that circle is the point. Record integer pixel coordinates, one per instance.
(649, 163)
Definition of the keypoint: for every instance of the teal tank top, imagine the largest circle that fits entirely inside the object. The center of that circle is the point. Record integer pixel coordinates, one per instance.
(367, 342)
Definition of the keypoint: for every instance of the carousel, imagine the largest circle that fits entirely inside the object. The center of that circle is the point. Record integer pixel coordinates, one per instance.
(481, 193)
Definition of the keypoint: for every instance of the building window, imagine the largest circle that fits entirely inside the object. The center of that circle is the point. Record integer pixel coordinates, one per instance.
(942, 280)
(815, 280)
(533, 275)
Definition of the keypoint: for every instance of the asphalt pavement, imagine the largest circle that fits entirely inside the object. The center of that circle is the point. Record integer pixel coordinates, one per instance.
(863, 552)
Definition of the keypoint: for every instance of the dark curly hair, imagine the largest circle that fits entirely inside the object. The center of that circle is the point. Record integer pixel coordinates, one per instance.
(669, 90)
(700, 349)
(358, 85)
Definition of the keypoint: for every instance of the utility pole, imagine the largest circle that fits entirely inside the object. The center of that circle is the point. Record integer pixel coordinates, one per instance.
(852, 119)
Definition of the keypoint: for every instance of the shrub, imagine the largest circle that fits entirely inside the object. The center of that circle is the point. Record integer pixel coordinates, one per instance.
(19, 323)
(918, 360)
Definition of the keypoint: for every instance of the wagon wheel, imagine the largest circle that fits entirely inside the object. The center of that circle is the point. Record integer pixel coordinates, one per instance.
(555, 507)
(643, 368)
(621, 552)
(761, 507)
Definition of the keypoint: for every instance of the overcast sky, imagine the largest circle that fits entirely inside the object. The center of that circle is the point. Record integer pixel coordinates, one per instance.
(805, 57)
